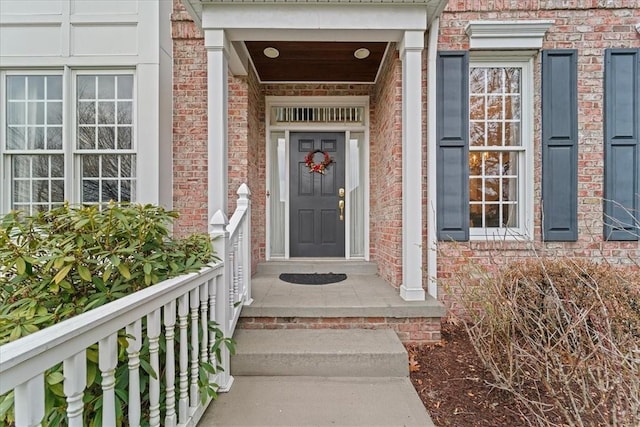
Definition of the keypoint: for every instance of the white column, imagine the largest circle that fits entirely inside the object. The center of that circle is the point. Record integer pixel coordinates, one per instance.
(217, 46)
(411, 55)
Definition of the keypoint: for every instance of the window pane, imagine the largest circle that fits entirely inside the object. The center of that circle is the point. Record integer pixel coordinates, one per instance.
(16, 138)
(492, 216)
(106, 87)
(54, 87)
(106, 138)
(491, 162)
(510, 216)
(477, 108)
(110, 165)
(124, 113)
(475, 163)
(35, 139)
(40, 166)
(127, 168)
(90, 166)
(510, 189)
(54, 138)
(125, 87)
(494, 107)
(125, 191)
(57, 166)
(86, 138)
(124, 138)
(477, 80)
(106, 113)
(16, 87)
(35, 113)
(15, 113)
(35, 87)
(494, 133)
(90, 191)
(54, 113)
(512, 80)
(512, 134)
(475, 189)
(512, 107)
(491, 189)
(477, 133)
(494, 80)
(510, 164)
(86, 113)
(21, 191)
(57, 190)
(21, 166)
(40, 189)
(86, 87)
(110, 191)
(475, 219)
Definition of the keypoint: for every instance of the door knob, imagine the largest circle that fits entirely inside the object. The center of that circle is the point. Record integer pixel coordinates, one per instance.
(341, 206)
(341, 192)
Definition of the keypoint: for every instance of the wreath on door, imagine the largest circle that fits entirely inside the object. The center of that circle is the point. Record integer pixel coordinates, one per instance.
(317, 167)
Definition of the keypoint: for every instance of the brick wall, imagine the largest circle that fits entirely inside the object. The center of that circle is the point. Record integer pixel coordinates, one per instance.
(189, 124)
(590, 27)
(386, 170)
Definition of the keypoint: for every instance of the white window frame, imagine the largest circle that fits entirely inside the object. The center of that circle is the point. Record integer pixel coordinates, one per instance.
(72, 166)
(525, 161)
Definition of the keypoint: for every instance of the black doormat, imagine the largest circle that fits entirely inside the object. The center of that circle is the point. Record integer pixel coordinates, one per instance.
(313, 278)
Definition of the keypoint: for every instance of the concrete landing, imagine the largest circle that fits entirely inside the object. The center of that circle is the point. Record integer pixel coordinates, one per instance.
(318, 401)
(322, 352)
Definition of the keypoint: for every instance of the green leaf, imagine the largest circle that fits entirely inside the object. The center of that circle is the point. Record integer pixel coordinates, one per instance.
(124, 270)
(21, 266)
(147, 268)
(148, 369)
(6, 404)
(15, 333)
(55, 378)
(62, 273)
(84, 273)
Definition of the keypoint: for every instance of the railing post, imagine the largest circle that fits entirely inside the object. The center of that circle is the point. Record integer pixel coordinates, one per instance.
(29, 402)
(220, 240)
(244, 201)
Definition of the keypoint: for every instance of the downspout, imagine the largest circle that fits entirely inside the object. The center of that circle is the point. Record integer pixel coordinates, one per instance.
(432, 238)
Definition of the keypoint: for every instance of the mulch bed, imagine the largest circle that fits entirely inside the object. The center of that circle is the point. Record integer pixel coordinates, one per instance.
(452, 384)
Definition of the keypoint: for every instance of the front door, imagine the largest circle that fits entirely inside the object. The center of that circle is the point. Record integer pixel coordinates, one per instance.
(316, 198)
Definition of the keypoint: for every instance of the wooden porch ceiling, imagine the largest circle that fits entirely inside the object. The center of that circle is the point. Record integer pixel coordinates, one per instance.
(316, 61)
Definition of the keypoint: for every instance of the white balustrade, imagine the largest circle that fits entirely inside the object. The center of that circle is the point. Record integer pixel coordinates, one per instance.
(187, 303)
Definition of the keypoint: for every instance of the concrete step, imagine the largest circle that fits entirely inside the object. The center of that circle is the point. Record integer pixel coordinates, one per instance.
(319, 352)
(318, 401)
(318, 266)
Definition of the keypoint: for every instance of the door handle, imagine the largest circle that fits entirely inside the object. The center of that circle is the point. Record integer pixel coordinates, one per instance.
(341, 206)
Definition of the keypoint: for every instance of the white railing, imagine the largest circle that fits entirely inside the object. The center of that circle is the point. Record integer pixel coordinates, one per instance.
(178, 310)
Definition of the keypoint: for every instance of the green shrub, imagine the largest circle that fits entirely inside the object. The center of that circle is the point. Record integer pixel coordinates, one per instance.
(64, 262)
(562, 335)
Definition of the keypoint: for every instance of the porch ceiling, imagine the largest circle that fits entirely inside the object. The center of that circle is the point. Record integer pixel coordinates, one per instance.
(316, 61)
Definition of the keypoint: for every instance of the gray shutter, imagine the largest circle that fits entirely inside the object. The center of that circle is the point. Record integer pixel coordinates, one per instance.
(559, 145)
(452, 131)
(622, 144)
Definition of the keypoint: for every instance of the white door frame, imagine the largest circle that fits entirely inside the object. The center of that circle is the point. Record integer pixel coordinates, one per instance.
(317, 101)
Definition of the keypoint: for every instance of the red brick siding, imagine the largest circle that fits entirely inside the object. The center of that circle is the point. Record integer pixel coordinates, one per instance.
(423, 330)
(590, 27)
(189, 125)
(386, 170)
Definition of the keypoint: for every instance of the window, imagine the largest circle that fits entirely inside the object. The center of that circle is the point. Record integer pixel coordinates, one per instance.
(49, 158)
(499, 150)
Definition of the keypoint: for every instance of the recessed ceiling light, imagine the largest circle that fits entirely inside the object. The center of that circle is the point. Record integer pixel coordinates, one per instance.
(362, 53)
(271, 52)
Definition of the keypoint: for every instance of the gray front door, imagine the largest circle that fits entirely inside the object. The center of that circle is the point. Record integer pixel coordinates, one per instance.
(317, 227)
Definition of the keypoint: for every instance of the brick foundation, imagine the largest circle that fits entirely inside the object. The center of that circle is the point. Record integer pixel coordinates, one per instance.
(414, 330)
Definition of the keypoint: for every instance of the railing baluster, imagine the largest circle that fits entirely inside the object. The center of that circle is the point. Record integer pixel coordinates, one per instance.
(183, 402)
(241, 261)
(169, 324)
(212, 318)
(204, 322)
(75, 381)
(108, 359)
(134, 340)
(153, 332)
(244, 202)
(29, 402)
(194, 300)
